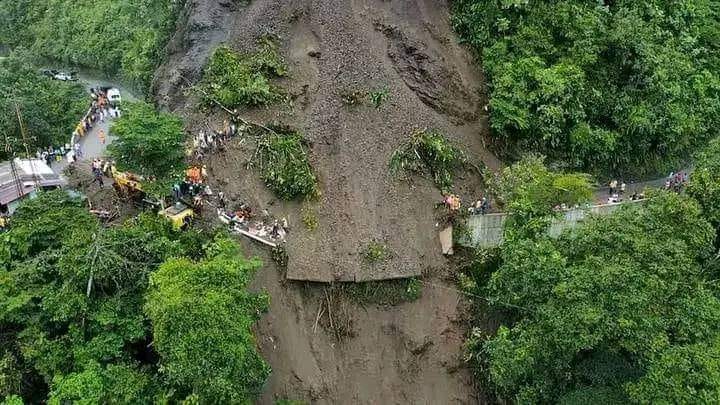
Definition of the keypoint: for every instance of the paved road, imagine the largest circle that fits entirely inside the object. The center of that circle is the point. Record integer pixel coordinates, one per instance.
(90, 144)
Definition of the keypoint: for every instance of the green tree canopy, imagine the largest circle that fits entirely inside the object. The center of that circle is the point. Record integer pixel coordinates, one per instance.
(50, 109)
(616, 86)
(614, 311)
(202, 315)
(72, 297)
(529, 191)
(149, 143)
(704, 185)
(122, 38)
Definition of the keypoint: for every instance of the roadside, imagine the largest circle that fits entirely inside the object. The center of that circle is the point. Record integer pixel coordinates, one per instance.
(91, 144)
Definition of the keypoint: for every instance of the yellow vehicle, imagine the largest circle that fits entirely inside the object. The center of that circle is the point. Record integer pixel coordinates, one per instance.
(179, 214)
(127, 183)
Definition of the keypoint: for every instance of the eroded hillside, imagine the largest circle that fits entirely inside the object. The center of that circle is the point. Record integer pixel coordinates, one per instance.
(400, 354)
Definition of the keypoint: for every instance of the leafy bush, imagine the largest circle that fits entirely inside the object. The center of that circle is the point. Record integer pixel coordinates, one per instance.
(378, 97)
(50, 109)
(622, 86)
(285, 166)
(149, 143)
(529, 191)
(704, 185)
(237, 80)
(376, 252)
(356, 97)
(202, 315)
(428, 152)
(309, 218)
(623, 307)
(124, 38)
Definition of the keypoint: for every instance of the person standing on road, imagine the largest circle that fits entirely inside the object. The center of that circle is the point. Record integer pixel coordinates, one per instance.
(101, 135)
(613, 186)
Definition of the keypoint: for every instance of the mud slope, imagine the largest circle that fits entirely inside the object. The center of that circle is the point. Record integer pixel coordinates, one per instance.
(409, 353)
(406, 47)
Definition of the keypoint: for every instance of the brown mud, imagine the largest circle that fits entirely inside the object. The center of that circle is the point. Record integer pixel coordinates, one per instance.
(408, 353)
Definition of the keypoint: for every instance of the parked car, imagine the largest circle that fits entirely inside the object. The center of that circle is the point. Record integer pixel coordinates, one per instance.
(65, 77)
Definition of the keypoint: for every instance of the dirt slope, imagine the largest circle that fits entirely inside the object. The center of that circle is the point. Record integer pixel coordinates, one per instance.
(406, 47)
(404, 354)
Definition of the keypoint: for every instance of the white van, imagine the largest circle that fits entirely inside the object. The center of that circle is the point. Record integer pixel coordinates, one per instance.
(113, 96)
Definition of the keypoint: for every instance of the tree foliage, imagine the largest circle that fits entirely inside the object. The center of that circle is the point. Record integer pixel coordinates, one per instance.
(285, 164)
(529, 191)
(72, 297)
(623, 86)
(622, 309)
(149, 143)
(238, 80)
(429, 152)
(704, 185)
(50, 109)
(124, 38)
(202, 315)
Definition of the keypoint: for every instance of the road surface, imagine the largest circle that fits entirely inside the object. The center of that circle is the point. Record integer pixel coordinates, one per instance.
(90, 144)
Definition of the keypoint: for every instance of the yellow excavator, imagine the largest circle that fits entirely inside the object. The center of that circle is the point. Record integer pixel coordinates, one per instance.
(179, 215)
(130, 185)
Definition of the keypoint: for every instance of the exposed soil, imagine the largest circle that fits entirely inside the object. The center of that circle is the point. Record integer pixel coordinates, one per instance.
(409, 353)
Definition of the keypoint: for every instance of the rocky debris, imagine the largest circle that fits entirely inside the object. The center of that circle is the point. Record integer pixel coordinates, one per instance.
(420, 348)
(430, 76)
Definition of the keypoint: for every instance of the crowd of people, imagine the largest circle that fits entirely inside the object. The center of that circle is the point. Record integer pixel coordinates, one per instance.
(242, 217)
(100, 110)
(677, 181)
(265, 227)
(212, 140)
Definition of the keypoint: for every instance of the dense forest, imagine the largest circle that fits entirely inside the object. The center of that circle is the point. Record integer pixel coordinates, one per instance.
(120, 38)
(80, 304)
(617, 87)
(50, 109)
(623, 309)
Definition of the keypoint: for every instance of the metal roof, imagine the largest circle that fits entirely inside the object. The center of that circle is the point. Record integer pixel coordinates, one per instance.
(28, 170)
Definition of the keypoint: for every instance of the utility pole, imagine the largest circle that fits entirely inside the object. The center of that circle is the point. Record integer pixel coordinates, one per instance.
(13, 170)
(23, 133)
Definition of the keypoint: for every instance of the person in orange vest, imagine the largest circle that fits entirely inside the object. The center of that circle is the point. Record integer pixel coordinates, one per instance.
(101, 135)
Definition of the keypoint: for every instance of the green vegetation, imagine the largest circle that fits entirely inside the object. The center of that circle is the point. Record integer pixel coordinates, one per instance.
(623, 86)
(148, 143)
(386, 292)
(122, 314)
(285, 166)
(378, 97)
(428, 153)
(123, 38)
(202, 316)
(309, 218)
(704, 183)
(237, 80)
(623, 309)
(376, 252)
(529, 191)
(50, 109)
